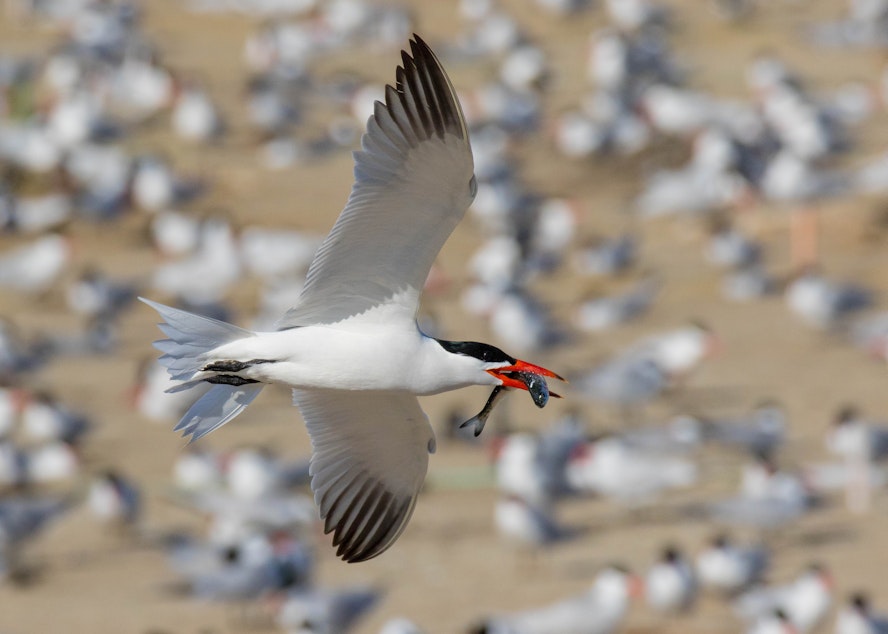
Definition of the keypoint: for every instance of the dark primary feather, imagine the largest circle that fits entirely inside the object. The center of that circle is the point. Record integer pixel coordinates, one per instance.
(413, 184)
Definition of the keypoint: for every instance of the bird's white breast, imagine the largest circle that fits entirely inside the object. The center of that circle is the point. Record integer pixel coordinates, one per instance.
(369, 357)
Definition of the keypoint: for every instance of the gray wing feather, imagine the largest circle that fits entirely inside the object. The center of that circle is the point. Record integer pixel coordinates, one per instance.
(413, 184)
(369, 461)
(222, 403)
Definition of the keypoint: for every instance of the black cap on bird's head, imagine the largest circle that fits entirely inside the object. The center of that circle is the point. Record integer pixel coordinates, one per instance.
(846, 414)
(508, 365)
(671, 554)
(860, 601)
(483, 351)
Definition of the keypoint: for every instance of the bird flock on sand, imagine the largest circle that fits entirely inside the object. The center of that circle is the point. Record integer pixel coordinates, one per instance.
(740, 187)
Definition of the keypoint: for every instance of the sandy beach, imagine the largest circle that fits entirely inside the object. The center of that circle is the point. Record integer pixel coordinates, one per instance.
(450, 567)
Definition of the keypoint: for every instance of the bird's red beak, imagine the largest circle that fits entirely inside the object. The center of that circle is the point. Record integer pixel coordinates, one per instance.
(503, 374)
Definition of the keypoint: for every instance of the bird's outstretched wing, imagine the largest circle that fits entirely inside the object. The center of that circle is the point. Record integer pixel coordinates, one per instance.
(413, 183)
(370, 457)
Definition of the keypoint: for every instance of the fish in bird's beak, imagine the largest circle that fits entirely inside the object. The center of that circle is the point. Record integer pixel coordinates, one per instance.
(480, 419)
(527, 376)
(521, 375)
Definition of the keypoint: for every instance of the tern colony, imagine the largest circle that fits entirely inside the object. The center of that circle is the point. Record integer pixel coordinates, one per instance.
(774, 149)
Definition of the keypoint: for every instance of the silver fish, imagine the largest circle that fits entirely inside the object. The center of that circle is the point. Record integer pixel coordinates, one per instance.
(536, 385)
(480, 419)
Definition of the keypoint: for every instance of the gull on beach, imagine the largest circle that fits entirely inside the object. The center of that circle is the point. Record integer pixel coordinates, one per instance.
(760, 431)
(323, 611)
(603, 313)
(854, 438)
(241, 573)
(195, 117)
(805, 600)
(857, 617)
(44, 418)
(114, 499)
(22, 519)
(612, 468)
(35, 267)
(822, 302)
(670, 585)
(729, 568)
(197, 470)
(527, 524)
(34, 215)
(599, 610)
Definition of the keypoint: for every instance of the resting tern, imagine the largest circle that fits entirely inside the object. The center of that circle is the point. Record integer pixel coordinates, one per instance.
(670, 584)
(351, 348)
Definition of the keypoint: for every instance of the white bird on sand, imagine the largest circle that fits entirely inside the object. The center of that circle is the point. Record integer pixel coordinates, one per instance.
(760, 431)
(351, 348)
(255, 473)
(822, 302)
(276, 253)
(195, 117)
(34, 215)
(198, 470)
(174, 233)
(805, 600)
(114, 499)
(729, 248)
(747, 284)
(612, 468)
(600, 610)
(206, 275)
(852, 437)
(603, 313)
(678, 352)
(318, 611)
(607, 256)
(21, 520)
(624, 382)
(244, 575)
(400, 625)
(856, 617)
(777, 622)
(35, 267)
(727, 567)
(528, 524)
(45, 419)
(52, 462)
(671, 585)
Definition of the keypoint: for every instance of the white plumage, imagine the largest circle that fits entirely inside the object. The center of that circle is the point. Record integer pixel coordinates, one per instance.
(350, 348)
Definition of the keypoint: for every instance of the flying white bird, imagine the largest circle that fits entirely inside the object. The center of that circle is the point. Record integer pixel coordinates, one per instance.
(351, 348)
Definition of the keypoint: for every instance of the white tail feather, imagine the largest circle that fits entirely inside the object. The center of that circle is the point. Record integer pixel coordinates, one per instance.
(215, 408)
(191, 338)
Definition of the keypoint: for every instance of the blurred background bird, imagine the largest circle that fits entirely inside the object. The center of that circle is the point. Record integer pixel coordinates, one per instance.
(682, 203)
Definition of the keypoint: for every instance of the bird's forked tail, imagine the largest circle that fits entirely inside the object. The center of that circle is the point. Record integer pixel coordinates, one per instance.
(190, 338)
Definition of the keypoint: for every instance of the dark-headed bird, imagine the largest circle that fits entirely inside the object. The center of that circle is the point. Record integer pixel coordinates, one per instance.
(351, 348)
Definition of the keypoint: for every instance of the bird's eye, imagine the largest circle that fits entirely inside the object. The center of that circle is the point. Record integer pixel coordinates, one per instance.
(473, 186)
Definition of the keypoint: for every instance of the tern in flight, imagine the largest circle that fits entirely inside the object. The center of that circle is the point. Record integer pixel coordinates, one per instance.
(350, 348)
